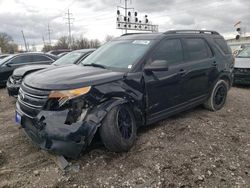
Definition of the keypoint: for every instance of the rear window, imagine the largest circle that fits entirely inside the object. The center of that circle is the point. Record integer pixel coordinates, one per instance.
(197, 49)
(221, 43)
(37, 58)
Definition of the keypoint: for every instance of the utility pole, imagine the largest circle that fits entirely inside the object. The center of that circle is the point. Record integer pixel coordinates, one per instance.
(43, 41)
(25, 44)
(69, 18)
(49, 32)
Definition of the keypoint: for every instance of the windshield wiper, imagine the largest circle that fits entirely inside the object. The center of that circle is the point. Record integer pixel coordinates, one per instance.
(95, 65)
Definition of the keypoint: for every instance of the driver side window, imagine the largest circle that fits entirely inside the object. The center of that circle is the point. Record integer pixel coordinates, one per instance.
(169, 50)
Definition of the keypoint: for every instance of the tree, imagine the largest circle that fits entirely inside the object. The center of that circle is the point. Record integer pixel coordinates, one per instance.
(47, 48)
(109, 38)
(62, 43)
(76, 43)
(6, 44)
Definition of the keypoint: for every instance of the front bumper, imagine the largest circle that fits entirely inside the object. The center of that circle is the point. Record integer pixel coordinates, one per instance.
(242, 78)
(49, 131)
(12, 88)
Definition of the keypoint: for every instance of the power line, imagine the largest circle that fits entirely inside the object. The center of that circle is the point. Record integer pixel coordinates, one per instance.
(69, 23)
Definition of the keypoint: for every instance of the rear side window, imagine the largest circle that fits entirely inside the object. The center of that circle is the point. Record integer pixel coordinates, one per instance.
(37, 58)
(169, 50)
(197, 49)
(221, 43)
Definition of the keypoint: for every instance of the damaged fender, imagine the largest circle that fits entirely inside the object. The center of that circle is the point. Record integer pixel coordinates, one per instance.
(49, 131)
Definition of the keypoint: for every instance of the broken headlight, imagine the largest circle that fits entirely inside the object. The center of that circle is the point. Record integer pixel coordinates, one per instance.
(65, 95)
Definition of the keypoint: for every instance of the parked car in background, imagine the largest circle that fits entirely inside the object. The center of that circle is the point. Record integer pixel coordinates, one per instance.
(237, 48)
(132, 81)
(57, 52)
(16, 78)
(242, 67)
(3, 56)
(62, 54)
(10, 63)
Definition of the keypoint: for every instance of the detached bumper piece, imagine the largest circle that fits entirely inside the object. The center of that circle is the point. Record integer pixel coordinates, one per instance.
(242, 76)
(49, 132)
(13, 87)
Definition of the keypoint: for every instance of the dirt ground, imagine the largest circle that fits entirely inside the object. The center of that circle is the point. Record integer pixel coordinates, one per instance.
(197, 148)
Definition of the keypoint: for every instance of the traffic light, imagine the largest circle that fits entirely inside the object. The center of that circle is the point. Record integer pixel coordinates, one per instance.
(238, 29)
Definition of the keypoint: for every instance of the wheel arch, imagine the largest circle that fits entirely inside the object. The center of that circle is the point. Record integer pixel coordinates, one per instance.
(97, 114)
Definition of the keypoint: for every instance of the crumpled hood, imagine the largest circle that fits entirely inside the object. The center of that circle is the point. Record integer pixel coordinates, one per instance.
(20, 72)
(70, 77)
(242, 63)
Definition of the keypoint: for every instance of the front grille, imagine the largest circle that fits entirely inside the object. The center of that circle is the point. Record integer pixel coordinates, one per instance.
(32, 101)
(242, 70)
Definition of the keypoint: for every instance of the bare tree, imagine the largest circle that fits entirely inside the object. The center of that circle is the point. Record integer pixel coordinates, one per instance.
(76, 43)
(109, 38)
(6, 44)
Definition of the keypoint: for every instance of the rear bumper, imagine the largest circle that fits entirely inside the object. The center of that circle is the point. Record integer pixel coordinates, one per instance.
(242, 78)
(12, 88)
(48, 131)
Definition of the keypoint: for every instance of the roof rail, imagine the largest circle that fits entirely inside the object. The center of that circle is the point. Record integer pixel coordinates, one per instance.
(133, 34)
(192, 32)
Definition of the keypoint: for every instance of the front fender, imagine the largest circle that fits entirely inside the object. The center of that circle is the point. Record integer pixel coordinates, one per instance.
(98, 113)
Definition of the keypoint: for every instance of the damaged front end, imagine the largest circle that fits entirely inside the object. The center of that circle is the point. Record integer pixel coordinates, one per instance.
(65, 122)
(61, 122)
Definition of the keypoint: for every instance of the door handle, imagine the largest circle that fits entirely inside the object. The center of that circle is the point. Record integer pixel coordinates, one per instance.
(182, 72)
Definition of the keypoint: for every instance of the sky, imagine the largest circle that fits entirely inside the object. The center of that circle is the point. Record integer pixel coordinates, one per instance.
(95, 19)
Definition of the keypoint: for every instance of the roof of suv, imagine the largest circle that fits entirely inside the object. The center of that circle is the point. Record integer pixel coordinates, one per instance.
(154, 36)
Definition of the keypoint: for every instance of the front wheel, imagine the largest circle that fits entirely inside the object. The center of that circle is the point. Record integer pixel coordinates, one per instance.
(218, 96)
(118, 130)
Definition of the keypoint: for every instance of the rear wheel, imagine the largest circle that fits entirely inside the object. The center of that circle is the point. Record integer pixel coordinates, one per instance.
(118, 130)
(218, 96)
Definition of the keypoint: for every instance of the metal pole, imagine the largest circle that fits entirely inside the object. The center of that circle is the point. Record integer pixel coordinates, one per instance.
(126, 7)
(49, 31)
(69, 29)
(24, 41)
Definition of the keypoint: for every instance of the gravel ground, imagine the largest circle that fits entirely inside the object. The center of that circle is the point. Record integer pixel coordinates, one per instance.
(197, 148)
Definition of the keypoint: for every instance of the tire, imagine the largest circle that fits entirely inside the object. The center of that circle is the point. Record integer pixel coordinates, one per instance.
(218, 96)
(116, 134)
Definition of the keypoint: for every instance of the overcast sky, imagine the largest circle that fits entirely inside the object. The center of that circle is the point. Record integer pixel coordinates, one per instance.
(97, 18)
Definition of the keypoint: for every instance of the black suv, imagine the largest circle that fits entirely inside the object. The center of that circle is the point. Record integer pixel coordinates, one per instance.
(132, 81)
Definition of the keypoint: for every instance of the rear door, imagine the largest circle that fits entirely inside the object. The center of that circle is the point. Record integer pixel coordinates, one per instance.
(41, 59)
(198, 67)
(163, 88)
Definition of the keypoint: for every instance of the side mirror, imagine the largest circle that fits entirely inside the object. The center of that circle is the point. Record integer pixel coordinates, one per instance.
(157, 65)
(8, 64)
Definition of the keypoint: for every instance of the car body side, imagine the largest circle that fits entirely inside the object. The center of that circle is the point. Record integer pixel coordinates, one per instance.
(137, 88)
(7, 68)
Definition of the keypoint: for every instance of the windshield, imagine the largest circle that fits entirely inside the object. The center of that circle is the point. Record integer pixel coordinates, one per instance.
(121, 55)
(245, 53)
(2, 61)
(69, 58)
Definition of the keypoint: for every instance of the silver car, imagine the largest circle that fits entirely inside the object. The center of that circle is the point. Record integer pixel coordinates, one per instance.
(242, 67)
